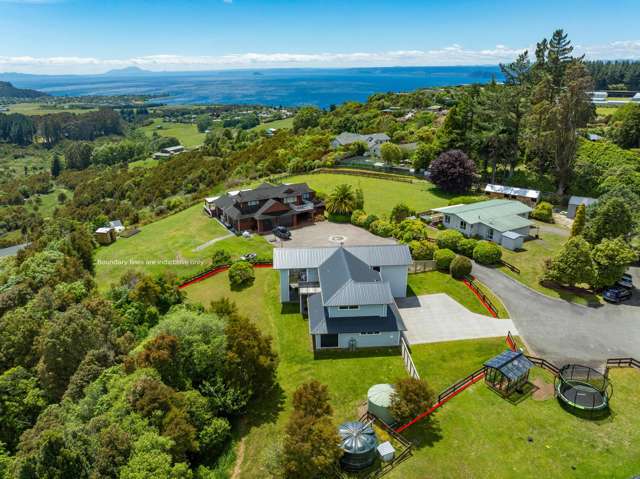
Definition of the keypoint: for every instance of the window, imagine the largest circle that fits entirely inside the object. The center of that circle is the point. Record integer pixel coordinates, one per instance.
(351, 306)
(447, 219)
(376, 268)
(490, 234)
(368, 333)
(328, 340)
(463, 225)
(306, 196)
(289, 199)
(253, 203)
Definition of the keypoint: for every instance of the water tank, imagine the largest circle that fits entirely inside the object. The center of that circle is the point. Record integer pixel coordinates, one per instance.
(379, 401)
(358, 441)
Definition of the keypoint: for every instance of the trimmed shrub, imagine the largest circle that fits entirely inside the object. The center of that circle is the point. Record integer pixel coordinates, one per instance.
(382, 228)
(443, 258)
(337, 218)
(409, 230)
(487, 252)
(241, 274)
(460, 267)
(449, 239)
(543, 212)
(400, 212)
(368, 220)
(466, 247)
(422, 250)
(358, 217)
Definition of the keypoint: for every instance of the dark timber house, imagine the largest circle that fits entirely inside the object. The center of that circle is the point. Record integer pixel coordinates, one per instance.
(265, 207)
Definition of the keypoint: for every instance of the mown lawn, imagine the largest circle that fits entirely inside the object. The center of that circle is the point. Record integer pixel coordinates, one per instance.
(380, 196)
(286, 124)
(477, 434)
(439, 282)
(531, 262)
(186, 133)
(175, 237)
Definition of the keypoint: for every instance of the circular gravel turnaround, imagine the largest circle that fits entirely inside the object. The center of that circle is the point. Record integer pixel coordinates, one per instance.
(337, 238)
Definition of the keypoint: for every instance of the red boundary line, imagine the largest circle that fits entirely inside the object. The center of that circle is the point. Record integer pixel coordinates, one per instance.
(215, 271)
(440, 403)
(491, 312)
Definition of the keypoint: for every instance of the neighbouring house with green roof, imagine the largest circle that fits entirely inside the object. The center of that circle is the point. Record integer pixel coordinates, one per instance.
(504, 222)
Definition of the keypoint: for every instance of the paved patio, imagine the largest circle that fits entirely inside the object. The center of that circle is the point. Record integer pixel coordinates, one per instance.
(433, 318)
(325, 233)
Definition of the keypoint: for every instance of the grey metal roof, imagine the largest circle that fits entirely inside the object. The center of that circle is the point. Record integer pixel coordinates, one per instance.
(264, 191)
(375, 255)
(347, 280)
(321, 323)
(513, 364)
(357, 437)
(582, 200)
(511, 235)
(346, 138)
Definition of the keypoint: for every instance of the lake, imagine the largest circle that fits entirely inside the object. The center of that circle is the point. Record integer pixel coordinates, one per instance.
(286, 87)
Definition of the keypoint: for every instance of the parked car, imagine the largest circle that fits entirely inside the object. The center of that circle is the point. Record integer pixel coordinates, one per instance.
(616, 294)
(626, 281)
(282, 232)
(249, 257)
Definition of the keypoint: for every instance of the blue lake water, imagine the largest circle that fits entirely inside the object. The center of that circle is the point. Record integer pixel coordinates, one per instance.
(287, 87)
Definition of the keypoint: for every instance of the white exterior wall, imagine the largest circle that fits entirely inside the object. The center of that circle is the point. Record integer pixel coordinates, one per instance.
(365, 310)
(396, 276)
(284, 285)
(389, 338)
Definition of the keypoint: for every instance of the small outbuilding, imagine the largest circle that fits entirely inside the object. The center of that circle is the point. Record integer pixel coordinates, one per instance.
(576, 201)
(508, 372)
(105, 235)
(117, 225)
(379, 399)
(524, 195)
(512, 240)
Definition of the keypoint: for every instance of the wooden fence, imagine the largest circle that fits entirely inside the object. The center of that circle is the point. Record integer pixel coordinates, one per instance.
(510, 266)
(623, 363)
(407, 359)
(422, 266)
(544, 364)
(475, 287)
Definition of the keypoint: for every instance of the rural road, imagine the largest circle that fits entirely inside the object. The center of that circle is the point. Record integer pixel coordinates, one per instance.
(564, 332)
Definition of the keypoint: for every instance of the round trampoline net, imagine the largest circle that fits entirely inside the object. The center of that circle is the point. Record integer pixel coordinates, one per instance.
(583, 387)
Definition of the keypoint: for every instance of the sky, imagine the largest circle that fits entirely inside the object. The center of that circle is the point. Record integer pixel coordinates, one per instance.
(93, 36)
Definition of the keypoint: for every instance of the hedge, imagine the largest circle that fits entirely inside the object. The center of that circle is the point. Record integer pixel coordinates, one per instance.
(382, 228)
(466, 247)
(449, 239)
(443, 258)
(487, 253)
(422, 250)
(543, 212)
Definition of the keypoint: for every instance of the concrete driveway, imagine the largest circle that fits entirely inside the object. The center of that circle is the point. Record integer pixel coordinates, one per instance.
(564, 332)
(433, 318)
(325, 233)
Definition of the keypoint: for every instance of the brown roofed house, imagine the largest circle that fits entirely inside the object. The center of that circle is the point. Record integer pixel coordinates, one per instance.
(265, 207)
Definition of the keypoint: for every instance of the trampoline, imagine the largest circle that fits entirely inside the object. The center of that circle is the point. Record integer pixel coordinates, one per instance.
(583, 388)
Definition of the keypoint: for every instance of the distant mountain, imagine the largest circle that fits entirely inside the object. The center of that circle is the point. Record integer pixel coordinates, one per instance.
(128, 71)
(7, 90)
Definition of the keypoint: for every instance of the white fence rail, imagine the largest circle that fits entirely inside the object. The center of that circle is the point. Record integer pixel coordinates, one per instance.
(407, 359)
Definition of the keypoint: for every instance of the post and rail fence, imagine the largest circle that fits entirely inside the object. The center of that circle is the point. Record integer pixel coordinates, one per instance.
(407, 359)
(475, 287)
(544, 364)
(510, 266)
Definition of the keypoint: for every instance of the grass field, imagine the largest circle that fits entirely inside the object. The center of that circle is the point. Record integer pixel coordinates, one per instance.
(49, 202)
(380, 196)
(439, 282)
(287, 123)
(44, 109)
(171, 238)
(477, 434)
(186, 133)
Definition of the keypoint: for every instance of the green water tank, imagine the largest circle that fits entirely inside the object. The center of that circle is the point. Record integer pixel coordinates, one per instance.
(379, 400)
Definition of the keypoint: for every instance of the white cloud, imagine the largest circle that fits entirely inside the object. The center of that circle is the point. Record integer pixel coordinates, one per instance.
(450, 55)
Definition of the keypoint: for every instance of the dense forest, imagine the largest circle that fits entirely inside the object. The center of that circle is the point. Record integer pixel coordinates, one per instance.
(133, 382)
(7, 90)
(615, 75)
